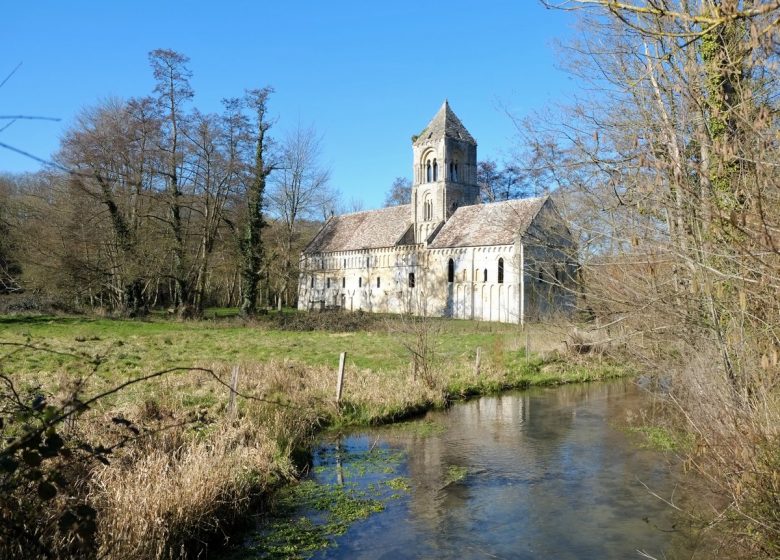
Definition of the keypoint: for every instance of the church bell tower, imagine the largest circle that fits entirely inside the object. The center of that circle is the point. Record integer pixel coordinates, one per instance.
(445, 172)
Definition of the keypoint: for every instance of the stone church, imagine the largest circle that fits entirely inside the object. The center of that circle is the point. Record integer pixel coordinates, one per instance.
(445, 254)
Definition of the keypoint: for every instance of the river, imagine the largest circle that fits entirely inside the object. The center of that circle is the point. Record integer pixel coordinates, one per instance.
(543, 473)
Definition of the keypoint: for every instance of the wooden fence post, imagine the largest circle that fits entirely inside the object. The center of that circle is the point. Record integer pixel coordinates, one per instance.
(231, 408)
(478, 361)
(340, 379)
(527, 347)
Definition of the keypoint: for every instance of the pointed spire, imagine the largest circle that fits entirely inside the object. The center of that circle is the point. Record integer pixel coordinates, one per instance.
(445, 124)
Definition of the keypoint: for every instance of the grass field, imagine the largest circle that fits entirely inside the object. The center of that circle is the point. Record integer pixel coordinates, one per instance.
(131, 347)
(197, 468)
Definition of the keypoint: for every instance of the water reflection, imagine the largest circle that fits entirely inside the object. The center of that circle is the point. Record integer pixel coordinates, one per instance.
(547, 475)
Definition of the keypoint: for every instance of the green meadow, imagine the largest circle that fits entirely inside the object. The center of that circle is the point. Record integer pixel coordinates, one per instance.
(128, 347)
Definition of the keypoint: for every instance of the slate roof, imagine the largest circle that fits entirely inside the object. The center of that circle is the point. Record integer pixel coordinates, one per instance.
(363, 230)
(446, 124)
(497, 223)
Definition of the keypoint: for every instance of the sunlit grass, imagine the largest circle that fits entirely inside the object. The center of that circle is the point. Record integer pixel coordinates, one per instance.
(128, 347)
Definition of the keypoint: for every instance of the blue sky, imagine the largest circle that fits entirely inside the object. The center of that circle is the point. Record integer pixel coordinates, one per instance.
(366, 75)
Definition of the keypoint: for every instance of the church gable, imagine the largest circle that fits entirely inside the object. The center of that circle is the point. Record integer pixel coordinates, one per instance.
(498, 223)
(363, 230)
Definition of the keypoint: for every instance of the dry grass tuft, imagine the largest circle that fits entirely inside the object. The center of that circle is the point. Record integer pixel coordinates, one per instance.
(158, 504)
(736, 453)
(579, 341)
(183, 485)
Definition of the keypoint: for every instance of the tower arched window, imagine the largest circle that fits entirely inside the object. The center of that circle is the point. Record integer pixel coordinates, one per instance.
(501, 271)
(428, 172)
(451, 271)
(484, 275)
(455, 171)
(427, 208)
(435, 170)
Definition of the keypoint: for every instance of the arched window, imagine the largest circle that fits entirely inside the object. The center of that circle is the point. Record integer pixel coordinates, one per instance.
(451, 271)
(484, 275)
(453, 171)
(344, 282)
(378, 283)
(360, 282)
(311, 284)
(411, 279)
(501, 271)
(327, 282)
(435, 170)
(428, 172)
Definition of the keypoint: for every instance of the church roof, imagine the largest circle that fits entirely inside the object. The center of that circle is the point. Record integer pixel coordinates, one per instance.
(497, 223)
(445, 124)
(363, 230)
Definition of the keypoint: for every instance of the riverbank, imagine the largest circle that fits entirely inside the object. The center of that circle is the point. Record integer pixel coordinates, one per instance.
(198, 464)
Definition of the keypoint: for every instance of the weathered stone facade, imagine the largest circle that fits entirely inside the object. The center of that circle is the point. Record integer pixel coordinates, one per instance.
(445, 254)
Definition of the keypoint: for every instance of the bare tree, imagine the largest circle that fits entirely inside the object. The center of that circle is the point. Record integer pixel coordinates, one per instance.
(355, 204)
(153, 203)
(218, 169)
(400, 192)
(10, 270)
(173, 91)
(107, 155)
(668, 174)
(501, 183)
(300, 190)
